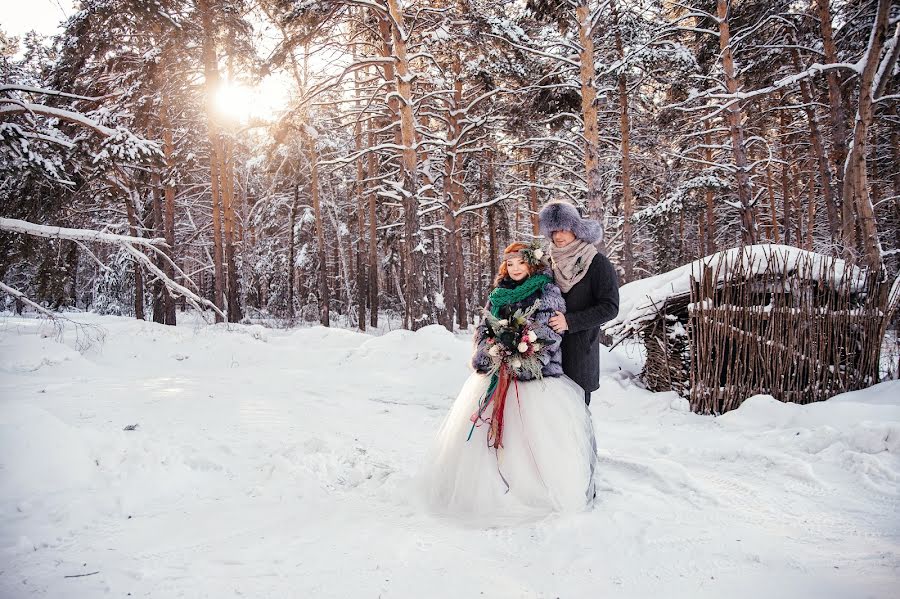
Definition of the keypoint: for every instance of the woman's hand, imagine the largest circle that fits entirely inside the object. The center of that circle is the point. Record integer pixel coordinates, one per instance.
(558, 323)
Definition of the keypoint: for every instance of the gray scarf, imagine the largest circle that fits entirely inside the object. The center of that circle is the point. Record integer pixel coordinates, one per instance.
(571, 263)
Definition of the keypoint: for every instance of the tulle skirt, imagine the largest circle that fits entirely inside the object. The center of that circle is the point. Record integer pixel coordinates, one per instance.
(545, 465)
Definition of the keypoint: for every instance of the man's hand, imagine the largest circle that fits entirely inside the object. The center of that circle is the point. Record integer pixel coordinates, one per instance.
(558, 323)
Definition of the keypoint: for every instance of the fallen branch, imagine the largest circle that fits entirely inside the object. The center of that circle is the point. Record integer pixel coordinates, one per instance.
(22, 298)
(194, 299)
(27, 228)
(126, 242)
(80, 575)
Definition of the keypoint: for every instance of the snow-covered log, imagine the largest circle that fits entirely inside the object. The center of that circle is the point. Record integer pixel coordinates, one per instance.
(27, 228)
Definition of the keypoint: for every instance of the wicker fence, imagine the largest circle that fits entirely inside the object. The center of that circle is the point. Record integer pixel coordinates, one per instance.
(801, 333)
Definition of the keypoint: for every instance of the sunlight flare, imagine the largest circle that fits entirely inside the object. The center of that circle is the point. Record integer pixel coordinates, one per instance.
(238, 102)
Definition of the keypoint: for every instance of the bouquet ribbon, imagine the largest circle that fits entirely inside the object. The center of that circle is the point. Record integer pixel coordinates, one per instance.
(496, 395)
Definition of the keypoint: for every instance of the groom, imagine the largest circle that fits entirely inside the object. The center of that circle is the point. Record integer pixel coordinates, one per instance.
(590, 288)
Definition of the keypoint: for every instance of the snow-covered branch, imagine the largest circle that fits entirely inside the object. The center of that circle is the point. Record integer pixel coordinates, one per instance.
(21, 226)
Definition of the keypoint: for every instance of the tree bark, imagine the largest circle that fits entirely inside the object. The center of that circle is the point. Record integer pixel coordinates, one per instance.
(710, 197)
(488, 184)
(819, 153)
(532, 191)
(835, 101)
(138, 269)
(211, 75)
(373, 240)
(855, 177)
(811, 207)
(413, 247)
(324, 298)
(493, 250)
(627, 198)
(234, 303)
(773, 212)
(455, 262)
(786, 200)
(169, 200)
(361, 208)
(589, 111)
(292, 220)
(895, 159)
(159, 291)
(735, 120)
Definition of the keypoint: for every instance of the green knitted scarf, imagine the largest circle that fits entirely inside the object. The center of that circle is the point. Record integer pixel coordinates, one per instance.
(501, 296)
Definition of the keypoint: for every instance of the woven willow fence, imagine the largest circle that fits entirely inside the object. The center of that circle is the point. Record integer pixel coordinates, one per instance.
(801, 332)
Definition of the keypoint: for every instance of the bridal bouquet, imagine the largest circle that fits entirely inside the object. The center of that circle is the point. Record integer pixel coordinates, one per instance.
(514, 349)
(513, 343)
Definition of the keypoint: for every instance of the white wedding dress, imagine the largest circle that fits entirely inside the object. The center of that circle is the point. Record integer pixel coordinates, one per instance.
(546, 463)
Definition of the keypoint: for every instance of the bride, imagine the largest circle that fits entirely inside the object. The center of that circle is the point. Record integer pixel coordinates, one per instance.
(518, 441)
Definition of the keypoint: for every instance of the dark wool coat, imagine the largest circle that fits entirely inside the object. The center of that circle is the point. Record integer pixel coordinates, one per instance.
(589, 304)
(551, 301)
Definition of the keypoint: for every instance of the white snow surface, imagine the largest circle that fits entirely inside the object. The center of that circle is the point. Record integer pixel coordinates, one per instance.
(272, 463)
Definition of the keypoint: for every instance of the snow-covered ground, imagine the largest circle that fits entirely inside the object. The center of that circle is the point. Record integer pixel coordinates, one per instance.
(282, 464)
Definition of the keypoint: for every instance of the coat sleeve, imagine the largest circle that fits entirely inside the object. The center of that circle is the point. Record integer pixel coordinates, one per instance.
(551, 302)
(481, 362)
(604, 285)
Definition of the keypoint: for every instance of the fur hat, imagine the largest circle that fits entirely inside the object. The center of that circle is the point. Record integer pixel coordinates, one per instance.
(562, 216)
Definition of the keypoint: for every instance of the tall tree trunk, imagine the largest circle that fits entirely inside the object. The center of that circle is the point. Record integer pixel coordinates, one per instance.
(589, 110)
(476, 235)
(234, 303)
(450, 274)
(373, 239)
(361, 208)
(895, 179)
(493, 251)
(819, 153)
(811, 207)
(414, 244)
(312, 157)
(169, 200)
(627, 198)
(462, 309)
(786, 200)
(211, 75)
(532, 190)
(159, 290)
(455, 262)
(773, 212)
(836, 104)
(342, 254)
(387, 51)
(855, 178)
(735, 120)
(292, 220)
(324, 298)
(134, 231)
(710, 197)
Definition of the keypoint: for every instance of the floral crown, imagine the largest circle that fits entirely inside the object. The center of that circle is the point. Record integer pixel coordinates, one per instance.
(533, 254)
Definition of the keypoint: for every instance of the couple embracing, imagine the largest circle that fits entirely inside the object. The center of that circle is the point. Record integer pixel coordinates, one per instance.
(519, 438)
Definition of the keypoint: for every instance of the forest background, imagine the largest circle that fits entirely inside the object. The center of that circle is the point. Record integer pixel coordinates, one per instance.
(348, 161)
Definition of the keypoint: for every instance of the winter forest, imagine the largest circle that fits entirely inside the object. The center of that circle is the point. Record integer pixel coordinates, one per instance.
(263, 334)
(349, 161)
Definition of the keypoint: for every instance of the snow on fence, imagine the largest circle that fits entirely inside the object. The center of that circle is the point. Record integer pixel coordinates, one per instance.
(797, 325)
(800, 334)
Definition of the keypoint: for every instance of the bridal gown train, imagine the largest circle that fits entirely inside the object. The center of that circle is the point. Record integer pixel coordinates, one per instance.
(545, 465)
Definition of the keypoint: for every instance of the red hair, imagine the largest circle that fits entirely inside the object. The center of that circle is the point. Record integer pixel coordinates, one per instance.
(512, 249)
